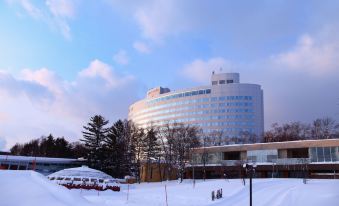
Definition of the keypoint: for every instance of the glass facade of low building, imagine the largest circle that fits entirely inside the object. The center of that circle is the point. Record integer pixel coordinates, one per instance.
(262, 155)
(313, 155)
(324, 154)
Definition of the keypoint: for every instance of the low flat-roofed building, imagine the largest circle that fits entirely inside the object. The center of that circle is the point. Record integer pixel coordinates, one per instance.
(43, 165)
(306, 158)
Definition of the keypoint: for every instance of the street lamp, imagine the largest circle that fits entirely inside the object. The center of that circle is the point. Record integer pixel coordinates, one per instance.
(250, 169)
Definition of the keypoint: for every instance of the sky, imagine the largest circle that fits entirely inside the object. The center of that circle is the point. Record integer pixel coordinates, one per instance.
(63, 61)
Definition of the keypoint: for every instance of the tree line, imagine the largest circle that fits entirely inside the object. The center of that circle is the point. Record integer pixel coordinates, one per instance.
(49, 147)
(321, 128)
(121, 148)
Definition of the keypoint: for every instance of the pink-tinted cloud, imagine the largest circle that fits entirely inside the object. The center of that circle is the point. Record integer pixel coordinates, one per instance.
(39, 102)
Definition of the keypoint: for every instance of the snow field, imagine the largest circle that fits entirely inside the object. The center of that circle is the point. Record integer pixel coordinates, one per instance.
(266, 192)
(26, 188)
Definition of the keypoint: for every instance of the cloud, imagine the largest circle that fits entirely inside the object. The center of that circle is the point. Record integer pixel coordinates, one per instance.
(154, 19)
(32, 10)
(100, 70)
(44, 103)
(312, 55)
(55, 13)
(14, 87)
(141, 47)
(43, 77)
(200, 70)
(157, 19)
(121, 57)
(61, 8)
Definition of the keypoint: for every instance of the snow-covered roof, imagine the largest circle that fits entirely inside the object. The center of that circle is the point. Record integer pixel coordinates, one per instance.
(82, 171)
(38, 159)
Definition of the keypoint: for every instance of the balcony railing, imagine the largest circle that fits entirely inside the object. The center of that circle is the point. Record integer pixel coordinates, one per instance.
(292, 161)
(276, 161)
(231, 162)
(279, 161)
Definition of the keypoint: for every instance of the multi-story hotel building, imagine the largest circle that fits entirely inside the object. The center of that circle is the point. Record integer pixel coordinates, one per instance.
(225, 105)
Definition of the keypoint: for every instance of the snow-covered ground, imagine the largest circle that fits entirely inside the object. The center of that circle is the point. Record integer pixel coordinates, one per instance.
(18, 188)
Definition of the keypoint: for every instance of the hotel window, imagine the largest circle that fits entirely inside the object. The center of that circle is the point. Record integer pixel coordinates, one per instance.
(229, 81)
(214, 82)
(222, 81)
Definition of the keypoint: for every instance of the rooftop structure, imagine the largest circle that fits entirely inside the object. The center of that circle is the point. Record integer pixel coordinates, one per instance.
(81, 172)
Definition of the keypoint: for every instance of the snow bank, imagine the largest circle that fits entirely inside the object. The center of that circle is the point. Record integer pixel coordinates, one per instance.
(29, 188)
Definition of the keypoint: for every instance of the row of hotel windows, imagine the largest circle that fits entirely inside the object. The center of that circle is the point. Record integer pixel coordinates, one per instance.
(202, 112)
(201, 118)
(200, 100)
(223, 98)
(179, 95)
(189, 101)
(200, 106)
(215, 124)
(198, 92)
(212, 124)
(230, 131)
(225, 130)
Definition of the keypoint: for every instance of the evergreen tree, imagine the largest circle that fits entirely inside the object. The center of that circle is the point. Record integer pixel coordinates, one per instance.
(137, 148)
(79, 150)
(62, 148)
(47, 146)
(115, 145)
(150, 148)
(93, 136)
(16, 149)
(122, 144)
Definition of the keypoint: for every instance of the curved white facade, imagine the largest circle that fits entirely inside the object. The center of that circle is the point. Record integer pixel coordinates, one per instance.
(226, 105)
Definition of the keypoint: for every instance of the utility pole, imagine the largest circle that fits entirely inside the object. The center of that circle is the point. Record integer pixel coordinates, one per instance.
(250, 170)
(193, 176)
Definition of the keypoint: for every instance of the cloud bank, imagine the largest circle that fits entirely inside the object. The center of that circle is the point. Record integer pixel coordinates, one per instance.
(49, 104)
(299, 83)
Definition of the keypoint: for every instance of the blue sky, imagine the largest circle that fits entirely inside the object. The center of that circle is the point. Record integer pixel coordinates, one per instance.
(62, 61)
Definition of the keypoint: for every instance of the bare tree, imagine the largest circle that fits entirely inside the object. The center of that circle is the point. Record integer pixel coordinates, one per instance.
(321, 128)
(185, 140)
(167, 135)
(150, 148)
(204, 155)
